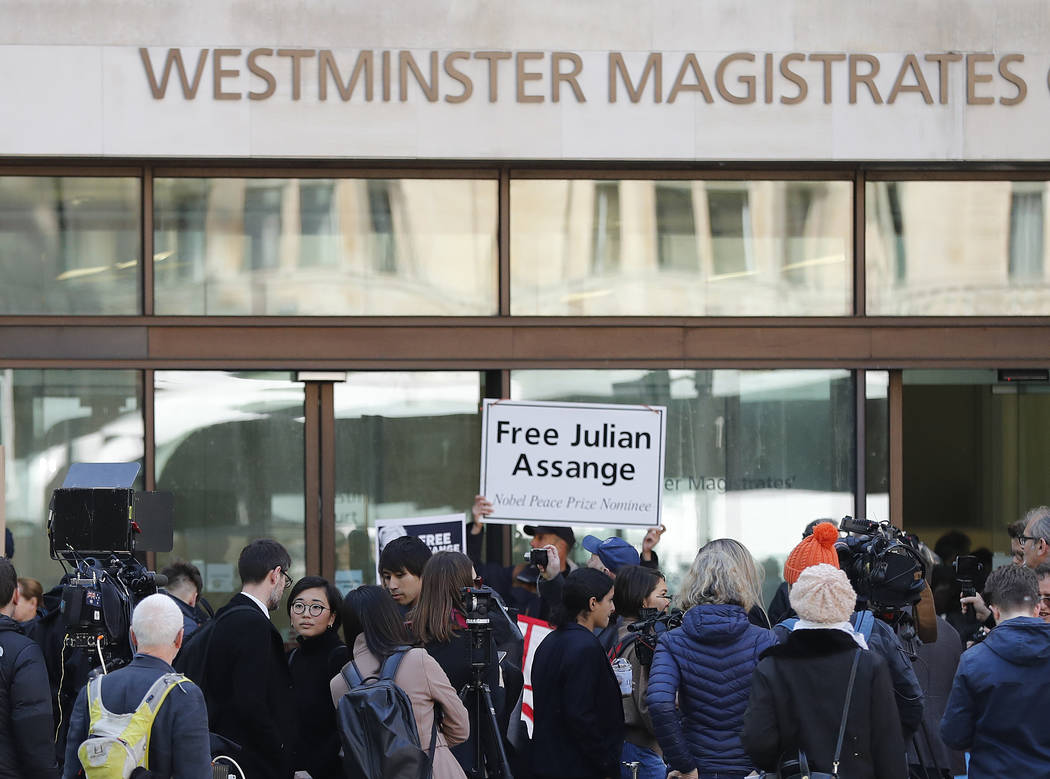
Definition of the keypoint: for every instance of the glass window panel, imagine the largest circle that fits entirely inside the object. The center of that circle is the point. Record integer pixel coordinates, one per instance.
(956, 248)
(230, 447)
(691, 248)
(70, 245)
(50, 419)
(325, 246)
(751, 455)
(407, 444)
(877, 438)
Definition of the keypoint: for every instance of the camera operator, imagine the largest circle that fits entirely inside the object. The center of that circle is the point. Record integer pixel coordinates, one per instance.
(440, 626)
(26, 723)
(880, 637)
(638, 588)
(178, 738)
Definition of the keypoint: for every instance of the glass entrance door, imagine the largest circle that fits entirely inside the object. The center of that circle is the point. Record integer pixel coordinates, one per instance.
(976, 454)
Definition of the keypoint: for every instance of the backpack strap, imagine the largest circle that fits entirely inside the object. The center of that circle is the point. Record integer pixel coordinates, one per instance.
(865, 623)
(352, 675)
(619, 649)
(391, 664)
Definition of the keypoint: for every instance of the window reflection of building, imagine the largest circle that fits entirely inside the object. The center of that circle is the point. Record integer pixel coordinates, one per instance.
(381, 216)
(1026, 230)
(606, 227)
(676, 227)
(982, 247)
(318, 224)
(729, 219)
(262, 226)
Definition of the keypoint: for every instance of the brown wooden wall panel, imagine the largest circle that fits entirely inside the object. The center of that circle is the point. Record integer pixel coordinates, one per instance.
(506, 343)
(72, 343)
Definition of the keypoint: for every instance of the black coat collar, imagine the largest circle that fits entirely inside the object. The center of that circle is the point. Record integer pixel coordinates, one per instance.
(812, 643)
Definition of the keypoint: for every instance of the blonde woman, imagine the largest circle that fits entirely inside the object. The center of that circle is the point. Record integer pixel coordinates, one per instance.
(706, 665)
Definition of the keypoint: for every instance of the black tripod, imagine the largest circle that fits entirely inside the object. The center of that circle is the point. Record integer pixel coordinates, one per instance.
(489, 758)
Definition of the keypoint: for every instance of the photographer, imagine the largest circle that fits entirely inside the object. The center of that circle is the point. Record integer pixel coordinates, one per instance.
(638, 588)
(440, 626)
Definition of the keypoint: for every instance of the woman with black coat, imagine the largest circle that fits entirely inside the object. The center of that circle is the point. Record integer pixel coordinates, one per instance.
(576, 699)
(799, 690)
(440, 626)
(313, 607)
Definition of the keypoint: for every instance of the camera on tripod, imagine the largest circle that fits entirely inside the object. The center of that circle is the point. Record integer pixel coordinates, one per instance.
(95, 523)
(646, 628)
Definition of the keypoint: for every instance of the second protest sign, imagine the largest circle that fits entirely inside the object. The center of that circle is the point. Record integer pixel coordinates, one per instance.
(582, 464)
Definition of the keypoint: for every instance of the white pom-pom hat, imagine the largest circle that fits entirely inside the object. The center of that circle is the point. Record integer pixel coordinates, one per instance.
(823, 594)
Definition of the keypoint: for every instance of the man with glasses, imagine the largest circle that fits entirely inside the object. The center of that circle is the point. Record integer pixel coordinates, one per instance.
(1036, 539)
(247, 681)
(1043, 574)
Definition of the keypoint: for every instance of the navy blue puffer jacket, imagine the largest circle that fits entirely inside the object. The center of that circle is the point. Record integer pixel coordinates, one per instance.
(708, 662)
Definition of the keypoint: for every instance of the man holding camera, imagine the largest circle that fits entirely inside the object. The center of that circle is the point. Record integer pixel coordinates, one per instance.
(178, 737)
(26, 725)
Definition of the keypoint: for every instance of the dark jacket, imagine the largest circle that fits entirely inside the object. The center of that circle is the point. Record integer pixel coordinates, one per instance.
(935, 666)
(178, 744)
(315, 741)
(249, 689)
(883, 641)
(191, 617)
(707, 664)
(454, 658)
(576, 699)
(998, 702)
(26, 725)
(797, 696)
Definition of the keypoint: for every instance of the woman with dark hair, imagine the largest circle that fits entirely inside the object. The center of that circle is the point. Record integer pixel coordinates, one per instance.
(637, 588)
(313, 607)
(576, 698)
(700, 679)
(373, 628)
(439, 624)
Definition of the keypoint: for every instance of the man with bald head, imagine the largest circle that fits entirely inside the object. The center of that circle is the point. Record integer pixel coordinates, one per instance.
(179, 742)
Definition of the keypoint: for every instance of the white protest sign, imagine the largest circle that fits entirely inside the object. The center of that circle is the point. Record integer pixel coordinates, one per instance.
(583, 464)
(445, 532)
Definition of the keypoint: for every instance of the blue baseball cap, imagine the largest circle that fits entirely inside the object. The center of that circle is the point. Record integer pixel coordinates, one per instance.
(615, 553)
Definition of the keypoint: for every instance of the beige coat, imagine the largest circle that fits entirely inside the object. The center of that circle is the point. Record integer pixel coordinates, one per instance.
(426, 684)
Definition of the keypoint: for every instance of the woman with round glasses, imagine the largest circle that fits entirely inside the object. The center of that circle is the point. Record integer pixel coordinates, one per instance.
(313, 607)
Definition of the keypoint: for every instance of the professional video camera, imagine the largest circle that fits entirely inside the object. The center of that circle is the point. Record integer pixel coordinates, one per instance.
(646, 628)
(94, 525)
(883, 564)
(489, 758)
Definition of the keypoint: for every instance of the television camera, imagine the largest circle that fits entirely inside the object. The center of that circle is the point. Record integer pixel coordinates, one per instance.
(649, 626)
(883, 563)
(96, 523)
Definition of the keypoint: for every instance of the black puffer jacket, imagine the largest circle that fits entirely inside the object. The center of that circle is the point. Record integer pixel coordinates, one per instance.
(26, 724)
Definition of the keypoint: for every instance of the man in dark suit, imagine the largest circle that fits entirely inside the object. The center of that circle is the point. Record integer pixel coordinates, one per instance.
(178, 741)
(247, 682)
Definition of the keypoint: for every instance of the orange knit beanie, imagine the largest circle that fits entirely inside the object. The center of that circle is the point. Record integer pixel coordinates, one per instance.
(815, 549)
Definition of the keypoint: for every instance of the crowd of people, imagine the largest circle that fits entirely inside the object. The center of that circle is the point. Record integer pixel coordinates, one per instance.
(631, 682)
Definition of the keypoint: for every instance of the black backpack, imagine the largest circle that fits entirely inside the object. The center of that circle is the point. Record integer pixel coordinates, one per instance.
(378, 728)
